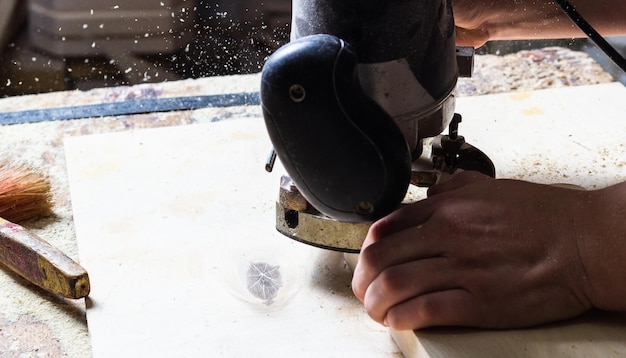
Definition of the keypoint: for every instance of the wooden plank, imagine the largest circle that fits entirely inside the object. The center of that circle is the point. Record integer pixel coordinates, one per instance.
(176, 229)
(176, 225)
(594, 335)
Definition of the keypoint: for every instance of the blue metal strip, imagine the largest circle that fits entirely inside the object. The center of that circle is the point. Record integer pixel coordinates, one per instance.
(129, 107)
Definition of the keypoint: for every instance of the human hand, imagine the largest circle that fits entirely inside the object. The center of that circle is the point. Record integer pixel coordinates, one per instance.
(479, 21)
(478, 252)
(470, 18)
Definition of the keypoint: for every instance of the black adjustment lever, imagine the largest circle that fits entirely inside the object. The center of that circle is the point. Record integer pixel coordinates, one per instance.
(451, 152)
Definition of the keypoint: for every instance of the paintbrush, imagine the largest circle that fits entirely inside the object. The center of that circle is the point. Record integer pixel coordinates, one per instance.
(25, 194)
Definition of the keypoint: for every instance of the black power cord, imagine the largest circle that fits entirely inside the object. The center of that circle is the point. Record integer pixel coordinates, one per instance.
(606, 47)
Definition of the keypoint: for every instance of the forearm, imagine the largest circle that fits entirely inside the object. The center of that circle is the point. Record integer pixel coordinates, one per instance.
(527, 19)
(602, 247)
(485, 20)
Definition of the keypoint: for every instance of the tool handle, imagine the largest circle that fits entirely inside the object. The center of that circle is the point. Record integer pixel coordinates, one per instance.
(41, 263)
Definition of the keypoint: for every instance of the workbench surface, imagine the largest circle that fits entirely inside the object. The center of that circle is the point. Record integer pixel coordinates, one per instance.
(33, 323)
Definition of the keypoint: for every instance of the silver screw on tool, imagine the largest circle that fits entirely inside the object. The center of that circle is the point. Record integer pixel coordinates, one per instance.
(271, 159)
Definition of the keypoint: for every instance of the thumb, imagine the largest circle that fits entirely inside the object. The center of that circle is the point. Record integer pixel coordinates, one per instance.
(475, 38)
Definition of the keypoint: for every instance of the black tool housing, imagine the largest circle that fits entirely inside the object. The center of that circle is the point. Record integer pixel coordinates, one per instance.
(345, 154)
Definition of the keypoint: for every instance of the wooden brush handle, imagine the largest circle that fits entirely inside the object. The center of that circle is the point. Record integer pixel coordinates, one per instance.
(41, 263)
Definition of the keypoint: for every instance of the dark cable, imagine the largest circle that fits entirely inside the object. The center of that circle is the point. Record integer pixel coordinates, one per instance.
(606, 47)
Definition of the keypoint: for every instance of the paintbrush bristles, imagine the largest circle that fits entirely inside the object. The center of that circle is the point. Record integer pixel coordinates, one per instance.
(24, 193)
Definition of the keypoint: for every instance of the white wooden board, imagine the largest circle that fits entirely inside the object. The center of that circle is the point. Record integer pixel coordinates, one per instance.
(566, 135)
(170, 222)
